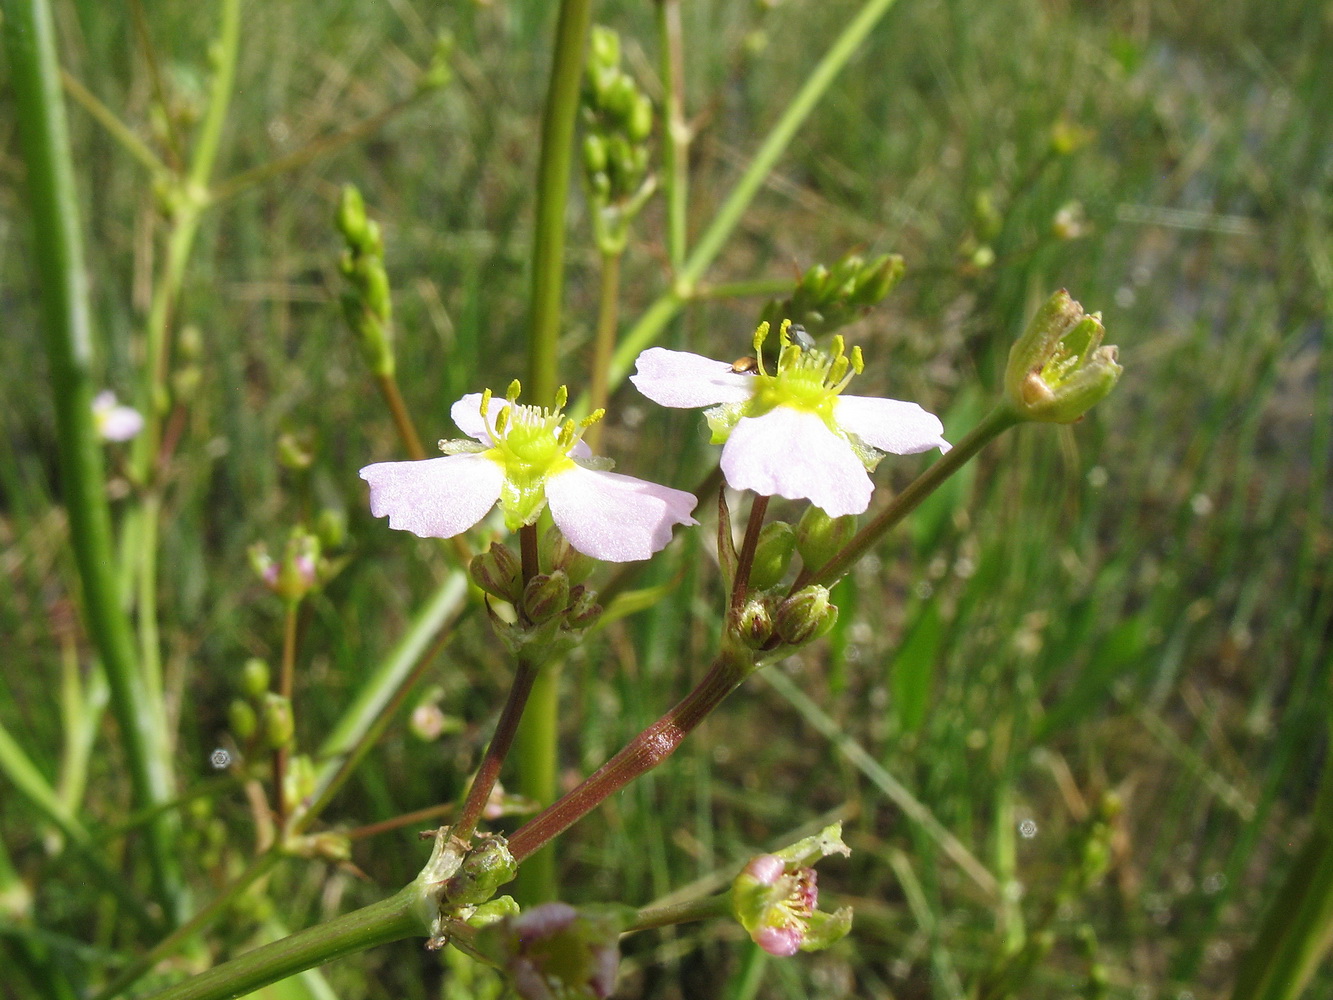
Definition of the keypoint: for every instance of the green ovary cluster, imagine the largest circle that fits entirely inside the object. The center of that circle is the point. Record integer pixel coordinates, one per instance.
(531, 444)
(806, 379)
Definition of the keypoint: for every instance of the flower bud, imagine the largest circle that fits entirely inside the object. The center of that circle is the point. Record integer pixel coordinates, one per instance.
(498, 572)
(640, 123)
(279, 725)
(1058, 369)
(485, 868)
(804, 616)
(594, 153)
(754, 626)
(819, 537)
(603, 47)
(545, 596)
(557, 553)
(255, 677)
(583, 608)
(554, 950)
(242, 718)
(351, 215)
(772, 554)
(775, 897)
(298, 782)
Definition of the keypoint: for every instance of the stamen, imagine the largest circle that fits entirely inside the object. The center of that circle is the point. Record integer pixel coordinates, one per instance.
(502, 421)
(514, 389)
(485, 403)
(784, 334)
(760, 335)
(561, 397)
(858, 363)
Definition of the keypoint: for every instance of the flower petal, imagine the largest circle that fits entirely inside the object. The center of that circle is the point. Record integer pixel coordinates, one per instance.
(613, 517)
(890, 424)
(793, 453)
(467, 415)
(437, 497)
(681, 379)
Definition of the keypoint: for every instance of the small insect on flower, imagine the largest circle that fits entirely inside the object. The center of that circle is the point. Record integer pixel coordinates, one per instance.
(788, 429)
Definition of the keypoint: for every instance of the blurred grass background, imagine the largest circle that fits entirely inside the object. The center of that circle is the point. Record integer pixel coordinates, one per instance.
(1138, 605)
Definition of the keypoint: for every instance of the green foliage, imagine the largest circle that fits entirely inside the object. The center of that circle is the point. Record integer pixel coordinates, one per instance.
(1138, 603)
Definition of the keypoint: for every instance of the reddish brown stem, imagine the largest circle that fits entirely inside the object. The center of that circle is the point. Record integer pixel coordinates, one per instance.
(752, 528)
(650, 748)
(489, 772)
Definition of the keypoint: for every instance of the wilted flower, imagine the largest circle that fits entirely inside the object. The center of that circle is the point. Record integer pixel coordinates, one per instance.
(524, 458)
(1058, 369)
(775, 897)
(792, 433)
(555, 952)
(112, 421)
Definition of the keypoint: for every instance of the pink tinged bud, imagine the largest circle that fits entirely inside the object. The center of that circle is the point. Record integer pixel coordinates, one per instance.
(765, 869)
(545, 596)
(805, 616)
(780, 941)
(498, 572)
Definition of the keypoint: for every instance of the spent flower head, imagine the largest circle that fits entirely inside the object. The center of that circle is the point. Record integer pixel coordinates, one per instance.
(1058, 369)
(526, 458)
(792, 432)
(775, 897)
(556, 952)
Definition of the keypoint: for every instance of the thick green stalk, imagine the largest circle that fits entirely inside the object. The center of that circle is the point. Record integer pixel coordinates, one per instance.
(405, 914)
(33, 786)
(35, 75)
(557, 151)
(536, 743)
(676, 131)
(728, 215)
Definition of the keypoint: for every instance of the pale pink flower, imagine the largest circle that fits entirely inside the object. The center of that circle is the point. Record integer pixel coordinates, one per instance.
(792, 433)
(526, 458)
(112, 421)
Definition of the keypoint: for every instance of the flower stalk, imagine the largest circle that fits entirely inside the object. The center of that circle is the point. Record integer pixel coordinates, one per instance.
(645, 752)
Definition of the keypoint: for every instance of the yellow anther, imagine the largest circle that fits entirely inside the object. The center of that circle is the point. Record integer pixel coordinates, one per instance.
(485, 402)
(514, 389)
(561, 397)
(784, 337)
(858, 364)
(839, 345)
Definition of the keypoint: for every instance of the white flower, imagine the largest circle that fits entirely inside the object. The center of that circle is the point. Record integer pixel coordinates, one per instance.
(112, 422)
(527, 457)
(792, 433)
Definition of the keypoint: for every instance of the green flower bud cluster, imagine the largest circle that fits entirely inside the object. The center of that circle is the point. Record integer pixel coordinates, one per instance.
(438, 72)
(826, 299)
(617, 122)
(485, 868)
(366, 303)
(771, 620)
(552, 608)
(1058, 369)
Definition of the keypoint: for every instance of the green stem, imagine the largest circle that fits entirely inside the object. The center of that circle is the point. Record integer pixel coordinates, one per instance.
(676, 134)
(402, 420)
(33, 786)
(220, 904)
(404, 914)
(557, 147)
(703, 908)
(115, 128)
(992, 426)
(393, 672)
(728, 215)
(536, 742)
(35, 78)
(219, 98)
(605, 343)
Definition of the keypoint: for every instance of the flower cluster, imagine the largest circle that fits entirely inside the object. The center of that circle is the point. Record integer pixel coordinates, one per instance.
(792, 432)
(775, 897)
